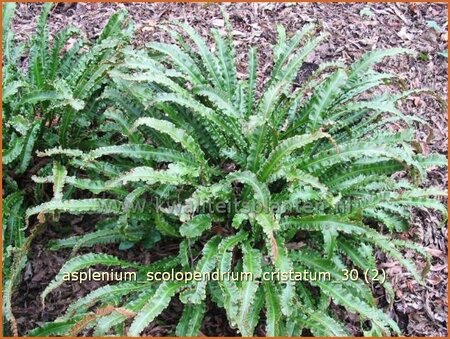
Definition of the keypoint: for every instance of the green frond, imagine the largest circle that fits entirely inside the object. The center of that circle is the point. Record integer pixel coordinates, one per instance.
(196, 226)
(321, 324)
(9, 9)
(220, 101)
(226, 57)
(176, 174)
(196, 292)
(252, 65)
(105, 323)
(28, 146)
(82, 206)
(275, 159)
(178, 135)
(368, 60)
(211, 63)
(57, 328)
(99, 294)
(379, 320)
(84, 261)
(165, 227)
(191, 320)
(106, 236)
(181, 60)
(252, 259)
(154, 306)
(115, 25)
(322, 99)
(262, 193)
(59, 175)
(290, 69)
(273, 310)
(228, 286)
(284, 49)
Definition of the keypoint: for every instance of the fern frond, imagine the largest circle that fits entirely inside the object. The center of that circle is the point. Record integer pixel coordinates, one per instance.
(154, 306)
(78, 263)
(196, 293)
(195, 227)
(178, 135)
(273, 307)
(191, 320)
(251, 263)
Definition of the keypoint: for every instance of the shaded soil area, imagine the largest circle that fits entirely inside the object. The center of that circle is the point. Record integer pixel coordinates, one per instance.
(420, 310)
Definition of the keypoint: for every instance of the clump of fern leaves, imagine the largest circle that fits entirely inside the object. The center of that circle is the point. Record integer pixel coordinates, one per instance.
(51, 88)
(190, 133)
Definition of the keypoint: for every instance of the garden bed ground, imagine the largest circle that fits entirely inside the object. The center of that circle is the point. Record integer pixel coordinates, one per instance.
(354, 28)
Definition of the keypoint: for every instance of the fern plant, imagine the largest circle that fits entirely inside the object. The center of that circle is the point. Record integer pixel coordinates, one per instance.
(44, 96)
(51, 90)
(308, 173)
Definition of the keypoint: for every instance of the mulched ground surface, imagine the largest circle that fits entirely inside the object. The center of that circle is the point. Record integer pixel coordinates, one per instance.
(354, 29)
